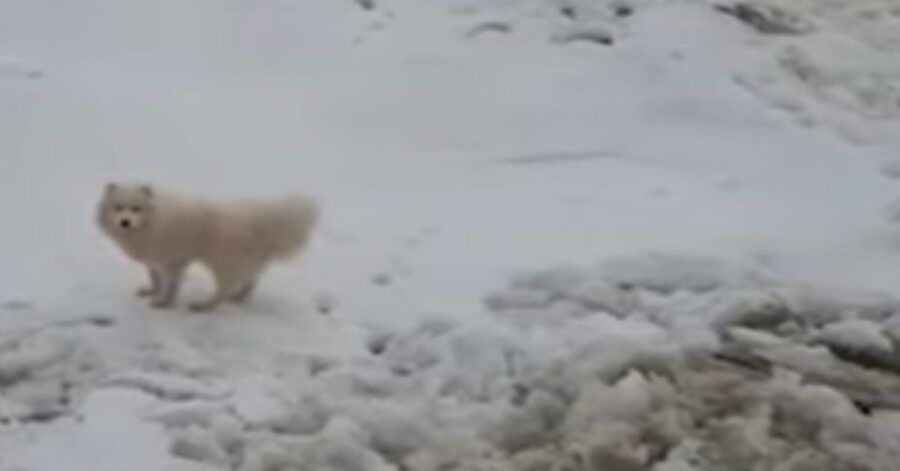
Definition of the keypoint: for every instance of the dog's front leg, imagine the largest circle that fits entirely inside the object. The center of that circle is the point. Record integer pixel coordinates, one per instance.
(169, 282)
(153, 287)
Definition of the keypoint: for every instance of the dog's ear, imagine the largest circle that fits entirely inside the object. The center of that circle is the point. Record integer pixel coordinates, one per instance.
(110, 187)
(147, 191)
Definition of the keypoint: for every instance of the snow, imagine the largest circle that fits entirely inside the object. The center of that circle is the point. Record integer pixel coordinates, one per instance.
(856, 334)
(556, 235)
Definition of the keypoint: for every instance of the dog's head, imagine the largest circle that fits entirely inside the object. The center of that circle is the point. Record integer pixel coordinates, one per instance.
(126, 209)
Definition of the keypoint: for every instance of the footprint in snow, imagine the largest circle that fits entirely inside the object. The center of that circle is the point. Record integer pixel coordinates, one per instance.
(891, 169)
(16, 305)
(325, 302)
(382, 279)
(659, 192)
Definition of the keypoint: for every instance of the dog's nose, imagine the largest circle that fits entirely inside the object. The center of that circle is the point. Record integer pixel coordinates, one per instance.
(124, 223)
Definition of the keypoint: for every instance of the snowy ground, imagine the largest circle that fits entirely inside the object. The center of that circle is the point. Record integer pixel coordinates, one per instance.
(557, 235)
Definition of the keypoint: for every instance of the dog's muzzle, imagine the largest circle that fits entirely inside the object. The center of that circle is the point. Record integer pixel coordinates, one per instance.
(126, 223)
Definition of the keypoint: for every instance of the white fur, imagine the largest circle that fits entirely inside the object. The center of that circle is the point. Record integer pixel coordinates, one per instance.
(166, 231)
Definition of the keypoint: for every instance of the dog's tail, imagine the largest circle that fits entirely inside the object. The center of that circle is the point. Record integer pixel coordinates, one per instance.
(288, 225)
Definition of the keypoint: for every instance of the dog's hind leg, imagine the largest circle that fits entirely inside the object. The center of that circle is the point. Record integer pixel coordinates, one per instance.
(244, 292)
(248, 283)
(228, 282)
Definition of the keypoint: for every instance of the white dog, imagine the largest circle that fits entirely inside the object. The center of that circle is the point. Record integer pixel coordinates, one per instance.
(235, 241)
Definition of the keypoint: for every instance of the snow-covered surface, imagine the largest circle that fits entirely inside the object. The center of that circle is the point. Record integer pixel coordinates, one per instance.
(556, 235)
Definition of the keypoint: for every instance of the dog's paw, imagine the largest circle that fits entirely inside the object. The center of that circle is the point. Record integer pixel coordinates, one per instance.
(203, 306)
(161, 303)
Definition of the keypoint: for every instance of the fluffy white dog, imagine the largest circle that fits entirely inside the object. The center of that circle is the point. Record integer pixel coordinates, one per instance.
(166, 231)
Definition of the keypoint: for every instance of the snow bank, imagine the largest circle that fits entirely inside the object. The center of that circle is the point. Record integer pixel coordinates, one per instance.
(657, 362)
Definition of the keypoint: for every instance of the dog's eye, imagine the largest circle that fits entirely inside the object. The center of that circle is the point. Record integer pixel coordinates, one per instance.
(118, 208)
(135, 209)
